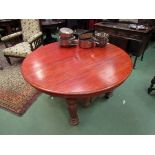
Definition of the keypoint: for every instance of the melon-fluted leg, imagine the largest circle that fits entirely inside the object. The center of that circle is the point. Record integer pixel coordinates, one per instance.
(72, 108)
(108, 94)
(85, 102)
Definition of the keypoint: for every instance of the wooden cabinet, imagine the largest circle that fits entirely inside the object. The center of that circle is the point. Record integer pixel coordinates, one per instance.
(121, 31)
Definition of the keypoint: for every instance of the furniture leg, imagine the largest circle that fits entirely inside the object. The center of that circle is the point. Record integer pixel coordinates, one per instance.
(134, 64)
(8, 59)
(151, 86)
(145, 47)
(72, 108)
(108, 95)
(142, 55)
(86, 102)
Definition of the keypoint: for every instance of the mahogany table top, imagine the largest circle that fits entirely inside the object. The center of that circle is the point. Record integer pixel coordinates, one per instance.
(74, 72)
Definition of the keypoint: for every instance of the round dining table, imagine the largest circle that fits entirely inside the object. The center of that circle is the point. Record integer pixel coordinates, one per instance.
(75, 73)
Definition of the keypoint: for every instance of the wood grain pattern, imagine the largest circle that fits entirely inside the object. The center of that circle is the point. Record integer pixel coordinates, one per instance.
(72, 109)
(71, 72)
(75, 73)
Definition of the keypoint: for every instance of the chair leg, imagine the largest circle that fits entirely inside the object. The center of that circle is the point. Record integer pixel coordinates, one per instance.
(108, 95)
(151, 86)
(142, 56)
(134, 64)
(8, 59)
(145, 47)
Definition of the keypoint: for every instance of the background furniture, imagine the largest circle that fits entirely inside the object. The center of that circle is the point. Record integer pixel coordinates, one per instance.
(87, 24)
(122, 30)
(75, 73)
(31, 36)
(2, 32)
(10, 25)
(50, 29)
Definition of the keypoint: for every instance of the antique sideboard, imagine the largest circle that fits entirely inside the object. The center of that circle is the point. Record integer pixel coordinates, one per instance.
(122, 30)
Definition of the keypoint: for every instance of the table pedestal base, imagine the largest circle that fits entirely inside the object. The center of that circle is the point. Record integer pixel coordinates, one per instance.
(85, 102)
(72, 108)
(108, 95)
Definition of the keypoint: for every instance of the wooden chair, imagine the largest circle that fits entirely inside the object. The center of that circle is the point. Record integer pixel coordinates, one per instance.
(32, 38)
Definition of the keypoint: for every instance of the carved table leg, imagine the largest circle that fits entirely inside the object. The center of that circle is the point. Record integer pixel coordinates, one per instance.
(72, 108)
(108, 94)
(85, 102)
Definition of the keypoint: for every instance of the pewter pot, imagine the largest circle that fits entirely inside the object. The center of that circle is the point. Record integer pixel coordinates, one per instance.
(86, 43)
(65, 33)
(68, 42)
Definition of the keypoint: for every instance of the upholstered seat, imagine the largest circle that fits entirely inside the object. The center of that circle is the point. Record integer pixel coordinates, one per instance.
(32, 39)
(21, 50)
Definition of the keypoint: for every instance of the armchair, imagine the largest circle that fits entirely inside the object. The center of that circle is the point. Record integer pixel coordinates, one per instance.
(31, 36)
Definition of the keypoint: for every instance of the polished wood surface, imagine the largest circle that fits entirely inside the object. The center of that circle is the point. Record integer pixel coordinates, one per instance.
(75, 73)
(70, 72)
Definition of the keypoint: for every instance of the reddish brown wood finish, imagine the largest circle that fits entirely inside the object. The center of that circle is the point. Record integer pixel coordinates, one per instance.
(75, 72)
(72, 108)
